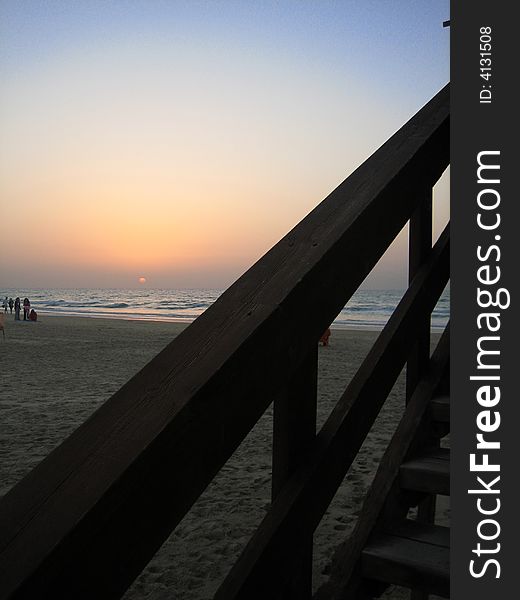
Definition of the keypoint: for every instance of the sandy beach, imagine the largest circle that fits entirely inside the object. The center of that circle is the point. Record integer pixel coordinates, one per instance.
(57, 371)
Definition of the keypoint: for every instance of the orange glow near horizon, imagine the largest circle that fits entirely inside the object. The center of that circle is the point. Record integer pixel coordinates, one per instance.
(173, 159)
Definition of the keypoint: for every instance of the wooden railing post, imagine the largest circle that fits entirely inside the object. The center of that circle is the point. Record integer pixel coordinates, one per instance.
(420, 245)
(293, 433)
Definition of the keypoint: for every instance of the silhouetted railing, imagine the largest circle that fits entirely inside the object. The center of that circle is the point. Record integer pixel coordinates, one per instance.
(86, 520)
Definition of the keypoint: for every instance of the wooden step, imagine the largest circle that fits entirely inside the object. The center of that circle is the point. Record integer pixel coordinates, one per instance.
(410, 554)
(429, 472)
(439, 409)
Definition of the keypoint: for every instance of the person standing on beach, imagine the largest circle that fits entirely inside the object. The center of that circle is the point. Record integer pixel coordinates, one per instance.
(324, 339)
(26, 308)
(11, 302)
(17, 309)
(4, 304)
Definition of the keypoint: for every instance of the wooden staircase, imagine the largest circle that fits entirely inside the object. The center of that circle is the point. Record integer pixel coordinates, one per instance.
(387, 547)
(427, 472)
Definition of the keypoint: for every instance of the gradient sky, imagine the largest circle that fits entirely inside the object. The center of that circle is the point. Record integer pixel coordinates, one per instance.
(178, 141)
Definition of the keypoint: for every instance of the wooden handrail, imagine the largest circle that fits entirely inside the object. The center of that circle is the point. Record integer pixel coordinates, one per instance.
(135, 467)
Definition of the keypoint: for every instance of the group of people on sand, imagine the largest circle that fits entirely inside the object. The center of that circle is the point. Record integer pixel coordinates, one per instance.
(29, 314)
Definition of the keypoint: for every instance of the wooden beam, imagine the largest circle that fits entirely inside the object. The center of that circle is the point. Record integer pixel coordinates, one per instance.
(420, 561)
(429, 472)
(440, 409)
(294, 431)
(420, 245)
(420, 241)
(294, 422)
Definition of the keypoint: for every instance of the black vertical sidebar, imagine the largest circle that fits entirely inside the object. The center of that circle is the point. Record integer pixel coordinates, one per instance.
(485, 353)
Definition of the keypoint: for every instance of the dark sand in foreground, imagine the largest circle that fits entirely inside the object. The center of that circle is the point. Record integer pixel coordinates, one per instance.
(57, 371)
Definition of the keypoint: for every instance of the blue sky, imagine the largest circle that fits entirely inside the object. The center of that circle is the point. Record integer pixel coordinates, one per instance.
(382, 39)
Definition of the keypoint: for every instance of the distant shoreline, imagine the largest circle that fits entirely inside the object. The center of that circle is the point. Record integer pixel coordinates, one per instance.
(187, 321)
(366, 310)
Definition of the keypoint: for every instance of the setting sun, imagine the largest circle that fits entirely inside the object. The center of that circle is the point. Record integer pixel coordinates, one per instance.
(142, 280)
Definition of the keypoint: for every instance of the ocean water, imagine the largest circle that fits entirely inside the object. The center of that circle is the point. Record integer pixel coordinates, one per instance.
(367, 308)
